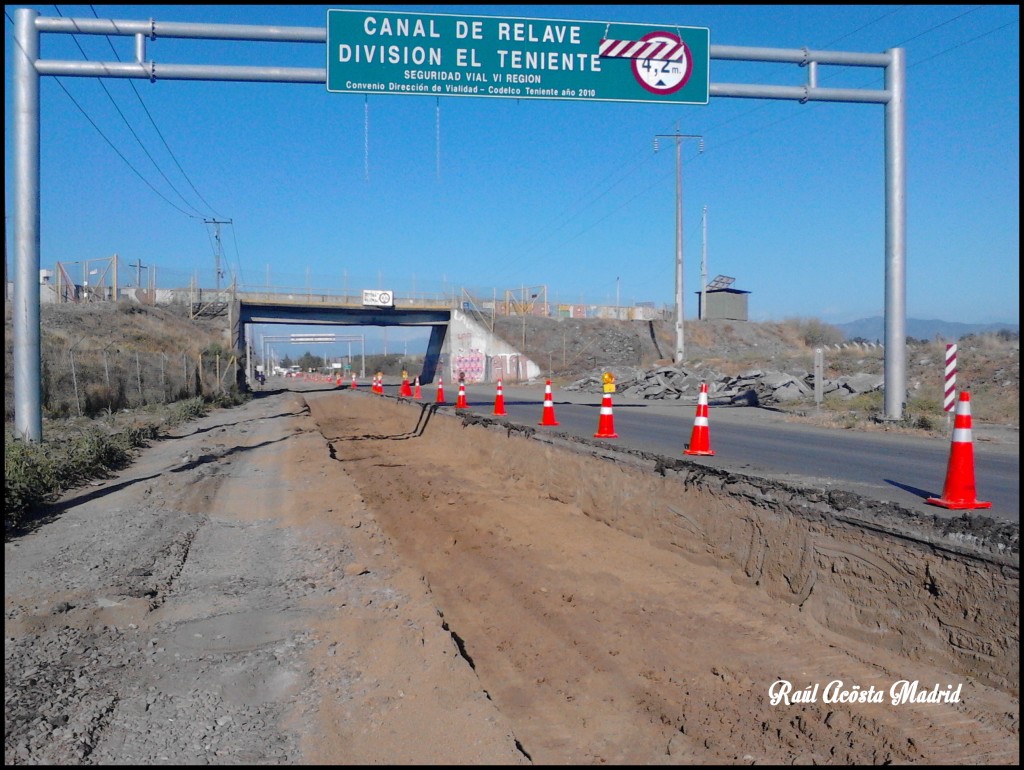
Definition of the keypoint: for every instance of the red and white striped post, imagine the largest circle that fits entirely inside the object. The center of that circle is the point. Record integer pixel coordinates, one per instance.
(949, 401)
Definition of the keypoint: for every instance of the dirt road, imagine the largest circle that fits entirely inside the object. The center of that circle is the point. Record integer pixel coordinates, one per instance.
(332, 577)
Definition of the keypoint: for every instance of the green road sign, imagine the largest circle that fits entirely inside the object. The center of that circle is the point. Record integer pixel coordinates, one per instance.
(400, 52)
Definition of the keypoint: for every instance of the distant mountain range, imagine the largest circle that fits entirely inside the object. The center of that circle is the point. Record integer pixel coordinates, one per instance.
(873, 329)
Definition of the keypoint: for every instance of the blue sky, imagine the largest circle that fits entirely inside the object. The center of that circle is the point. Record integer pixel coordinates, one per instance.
(419, 194)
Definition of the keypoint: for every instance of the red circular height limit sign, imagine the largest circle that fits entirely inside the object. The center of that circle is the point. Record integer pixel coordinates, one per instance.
(663, 76)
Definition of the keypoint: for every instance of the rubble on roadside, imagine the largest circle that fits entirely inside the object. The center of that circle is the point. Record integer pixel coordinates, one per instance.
(755, 387)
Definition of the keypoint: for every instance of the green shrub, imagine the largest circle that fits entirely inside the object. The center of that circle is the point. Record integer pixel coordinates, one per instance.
(30, 478)
(36, 473)
(924, 412)
(862, 403)
(189, 409)
(229, 398)
(924, 422)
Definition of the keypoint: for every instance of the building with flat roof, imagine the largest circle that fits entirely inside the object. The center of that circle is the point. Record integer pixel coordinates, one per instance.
(724, 303)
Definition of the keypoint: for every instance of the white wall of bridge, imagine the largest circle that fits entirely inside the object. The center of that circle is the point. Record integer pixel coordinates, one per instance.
(473, 349)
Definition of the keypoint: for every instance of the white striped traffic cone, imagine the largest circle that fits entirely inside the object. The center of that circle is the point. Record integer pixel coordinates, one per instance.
(548, 417)
(958, 492)
(606, 423)
(700, 439)
(499, 401)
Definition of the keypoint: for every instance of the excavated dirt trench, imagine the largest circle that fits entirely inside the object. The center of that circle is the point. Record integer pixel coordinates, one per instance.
(620, 608)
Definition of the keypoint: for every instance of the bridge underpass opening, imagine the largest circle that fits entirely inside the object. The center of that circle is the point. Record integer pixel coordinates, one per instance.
(246, 314)
(344, 349)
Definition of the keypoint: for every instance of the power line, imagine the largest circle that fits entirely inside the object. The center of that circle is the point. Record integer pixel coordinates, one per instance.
(118, 152)
(137, 138)
(238, 257)
(587, 202)
(155, 126)
(128, 124)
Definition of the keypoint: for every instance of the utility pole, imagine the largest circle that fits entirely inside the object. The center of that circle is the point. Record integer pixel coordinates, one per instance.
(217, 252)
(138, 271)
(679, 356)
(703, 315)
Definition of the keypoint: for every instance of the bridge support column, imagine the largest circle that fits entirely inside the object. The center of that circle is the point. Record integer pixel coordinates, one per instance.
(433, 354)
(236, 338)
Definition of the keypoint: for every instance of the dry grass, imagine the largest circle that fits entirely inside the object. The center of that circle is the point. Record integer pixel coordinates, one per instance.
(104, 357)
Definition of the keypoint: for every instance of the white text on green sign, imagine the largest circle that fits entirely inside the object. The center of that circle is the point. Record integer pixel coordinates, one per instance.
(448, 55)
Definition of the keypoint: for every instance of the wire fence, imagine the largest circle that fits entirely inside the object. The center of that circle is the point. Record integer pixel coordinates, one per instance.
(79, 382)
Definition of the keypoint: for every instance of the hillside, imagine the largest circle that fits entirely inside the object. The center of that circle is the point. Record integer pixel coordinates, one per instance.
(569, 346)
(101, 357)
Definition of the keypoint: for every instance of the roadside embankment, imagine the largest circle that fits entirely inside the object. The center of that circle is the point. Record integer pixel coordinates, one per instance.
(928, 586)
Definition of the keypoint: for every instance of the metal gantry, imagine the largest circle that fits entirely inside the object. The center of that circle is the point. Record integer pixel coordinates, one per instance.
(28, 68)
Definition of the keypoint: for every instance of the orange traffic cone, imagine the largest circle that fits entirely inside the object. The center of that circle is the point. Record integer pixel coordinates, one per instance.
(958, 491)
(606, 424)
(440, 389)
(354, 385)
(417, 393)
(548, 417)
(406, 390)
(499, 401)
(700, 440)
(460, 402)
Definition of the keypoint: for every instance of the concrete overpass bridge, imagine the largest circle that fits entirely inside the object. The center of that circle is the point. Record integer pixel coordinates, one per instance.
(367, 309)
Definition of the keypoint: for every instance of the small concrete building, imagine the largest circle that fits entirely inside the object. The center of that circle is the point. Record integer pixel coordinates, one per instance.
(724, 302)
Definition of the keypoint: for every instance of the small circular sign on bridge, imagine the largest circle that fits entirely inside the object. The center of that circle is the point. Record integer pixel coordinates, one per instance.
(666, 64)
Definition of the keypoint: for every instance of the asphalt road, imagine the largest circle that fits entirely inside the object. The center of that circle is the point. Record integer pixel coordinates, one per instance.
(895, 467)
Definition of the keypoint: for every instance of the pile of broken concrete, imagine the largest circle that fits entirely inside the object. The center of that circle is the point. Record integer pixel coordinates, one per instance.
(755, 387)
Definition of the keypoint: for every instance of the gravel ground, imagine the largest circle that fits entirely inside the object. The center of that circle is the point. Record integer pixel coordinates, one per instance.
(181, 613)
